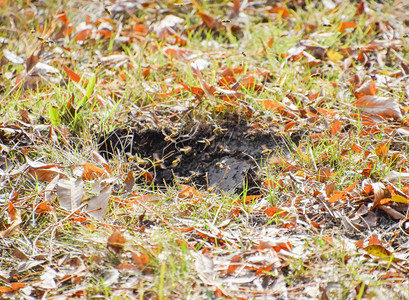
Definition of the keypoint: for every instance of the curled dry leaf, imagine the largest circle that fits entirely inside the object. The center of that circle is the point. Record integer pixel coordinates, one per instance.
(379, 192)
(381, 106)
(367, 88)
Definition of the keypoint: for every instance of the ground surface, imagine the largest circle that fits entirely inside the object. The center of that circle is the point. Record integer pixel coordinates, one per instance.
(224, 156)
(204, 149)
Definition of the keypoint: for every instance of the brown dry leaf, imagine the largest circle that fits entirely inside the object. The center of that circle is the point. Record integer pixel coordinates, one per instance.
(381, 106)
(382, 150)
(324, 174)
(13, 229)
(44, 172)
(70, 193)
(141, 260)
(99, 159)
(92, 172)
(329, 189)
(210, 22)
(392, 212)
(367, 88)
(235, 263)
(116, 241)
(129, 182)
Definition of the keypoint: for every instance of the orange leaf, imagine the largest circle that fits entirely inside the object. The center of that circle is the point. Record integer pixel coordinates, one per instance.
(382, 150)
(345, 25)
(189, 192)
(360, 9)
(336, 127)
(83, 35)
(71, 74)
(373, 240)
(12, 212)
(148, 177)
(360, 243)
(351, 187)
(42, 207)
(283, 246)
(269, 104)
(356, 148)
(336, 197)
(92, 172)
(279, 10)
(273, 211)
(141, 260)
(234, 264)
(116, 241)
(251, 198)
(188, 229)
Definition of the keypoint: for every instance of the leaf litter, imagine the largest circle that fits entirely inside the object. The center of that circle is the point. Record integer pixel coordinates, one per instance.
(174, 149)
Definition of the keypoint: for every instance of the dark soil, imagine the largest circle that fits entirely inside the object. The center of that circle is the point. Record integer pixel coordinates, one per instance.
(225, 157)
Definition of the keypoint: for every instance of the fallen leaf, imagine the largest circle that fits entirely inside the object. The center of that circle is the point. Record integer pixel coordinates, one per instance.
(70, 193)
(92, 172)
(98, 205)
(345, 25)
(116, 241)
(381, 106)
(334, 56)
(141, 260)
(380, 251)
(234, 264)
(367, 88)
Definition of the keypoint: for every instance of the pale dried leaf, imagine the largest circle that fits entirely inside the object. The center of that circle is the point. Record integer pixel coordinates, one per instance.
(13, 58)
(98, 205)
(395, 177)
(378, 191)
(205, 268)
(382, 106)
(47, 279)
(70, 192)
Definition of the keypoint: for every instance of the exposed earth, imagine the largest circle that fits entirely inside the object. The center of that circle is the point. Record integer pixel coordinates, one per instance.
(223, 157)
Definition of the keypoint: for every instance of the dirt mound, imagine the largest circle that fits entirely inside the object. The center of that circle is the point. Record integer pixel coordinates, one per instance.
(225, 157)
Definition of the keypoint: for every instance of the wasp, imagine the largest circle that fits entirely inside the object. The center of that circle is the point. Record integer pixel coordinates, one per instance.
(177, 160)
(218, 129)
(207, 141)
(139, 161)
(265, 151)
(186, 149)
